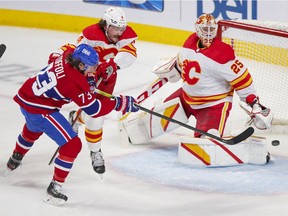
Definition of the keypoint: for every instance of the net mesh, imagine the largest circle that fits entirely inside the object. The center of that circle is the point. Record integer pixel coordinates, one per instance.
(266, 56)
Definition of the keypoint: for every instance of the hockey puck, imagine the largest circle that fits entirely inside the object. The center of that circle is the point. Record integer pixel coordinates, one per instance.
(275, 143)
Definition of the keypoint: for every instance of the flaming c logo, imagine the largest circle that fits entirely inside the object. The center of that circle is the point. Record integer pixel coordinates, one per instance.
(193, 68)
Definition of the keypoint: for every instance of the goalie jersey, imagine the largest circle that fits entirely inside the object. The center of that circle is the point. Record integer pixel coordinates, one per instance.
(210, 76)
(58, 84)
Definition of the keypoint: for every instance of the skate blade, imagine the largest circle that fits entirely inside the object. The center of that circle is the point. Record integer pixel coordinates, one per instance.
(7, 172)
(101, 176)
(54, 201)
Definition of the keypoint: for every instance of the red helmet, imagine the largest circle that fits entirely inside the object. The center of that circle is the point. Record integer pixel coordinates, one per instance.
(206, 29)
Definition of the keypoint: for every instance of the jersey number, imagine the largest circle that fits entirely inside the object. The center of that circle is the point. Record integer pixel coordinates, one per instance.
(237, 66)
(45, 81)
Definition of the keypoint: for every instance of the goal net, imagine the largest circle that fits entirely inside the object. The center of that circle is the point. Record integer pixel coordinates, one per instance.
(263, 47)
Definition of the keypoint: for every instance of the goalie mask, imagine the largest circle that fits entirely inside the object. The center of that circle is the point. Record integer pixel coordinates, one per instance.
(115, 16)
(206, 29)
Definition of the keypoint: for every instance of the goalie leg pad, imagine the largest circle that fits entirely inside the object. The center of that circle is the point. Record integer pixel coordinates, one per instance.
(156, 126)
(200, 152)
(141, 128)
(132, 129)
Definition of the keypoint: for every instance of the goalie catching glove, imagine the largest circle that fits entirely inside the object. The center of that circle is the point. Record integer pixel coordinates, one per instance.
(106, 69)
(261, 116)
(166, 69)
(125, 104)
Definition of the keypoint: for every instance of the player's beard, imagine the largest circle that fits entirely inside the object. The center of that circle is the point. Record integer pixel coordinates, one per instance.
(115, 39)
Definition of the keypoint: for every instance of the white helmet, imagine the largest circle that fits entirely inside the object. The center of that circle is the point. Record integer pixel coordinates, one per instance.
(115, 16)
(206, 28)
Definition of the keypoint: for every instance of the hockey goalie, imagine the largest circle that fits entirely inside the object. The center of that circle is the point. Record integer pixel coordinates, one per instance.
(210, 73)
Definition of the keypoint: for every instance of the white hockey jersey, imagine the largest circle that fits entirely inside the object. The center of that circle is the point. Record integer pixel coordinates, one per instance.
(210, 75)
(123, 52)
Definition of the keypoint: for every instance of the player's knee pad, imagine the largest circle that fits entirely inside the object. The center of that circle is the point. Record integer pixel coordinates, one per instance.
(93, 124)
(207, 152)
(141, 128)
(72, 148)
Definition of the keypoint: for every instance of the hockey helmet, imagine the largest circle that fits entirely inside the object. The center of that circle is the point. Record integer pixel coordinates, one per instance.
(206, 28)
(86, 54)
(115, 16)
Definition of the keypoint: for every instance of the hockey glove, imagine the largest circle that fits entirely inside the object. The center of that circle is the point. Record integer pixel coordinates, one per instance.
(91, 81)
(125, 104)
(260, 115)
(166, 69)
(106, 69)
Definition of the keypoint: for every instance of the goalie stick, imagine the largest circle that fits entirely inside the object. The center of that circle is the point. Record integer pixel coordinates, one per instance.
(150, 90)
(237, 139)
(2, 49)
(163, 66)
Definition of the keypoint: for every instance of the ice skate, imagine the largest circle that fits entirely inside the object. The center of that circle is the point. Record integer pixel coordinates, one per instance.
(98, 162)
(55, 195)
(14, 161)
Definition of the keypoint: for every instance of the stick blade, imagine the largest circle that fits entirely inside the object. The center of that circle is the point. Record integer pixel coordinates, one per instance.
(242, 136)
(2, 49)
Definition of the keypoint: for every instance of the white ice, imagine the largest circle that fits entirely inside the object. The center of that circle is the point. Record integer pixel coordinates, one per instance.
(140, 180)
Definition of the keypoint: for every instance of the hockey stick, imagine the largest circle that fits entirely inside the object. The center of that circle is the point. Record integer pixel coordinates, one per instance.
(163, 66)
(150, 90)
(237, 139)
(2, 49)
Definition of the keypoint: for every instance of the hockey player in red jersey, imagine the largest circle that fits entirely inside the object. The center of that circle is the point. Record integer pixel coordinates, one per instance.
(211, 74)
(41, 98)
(114, 41)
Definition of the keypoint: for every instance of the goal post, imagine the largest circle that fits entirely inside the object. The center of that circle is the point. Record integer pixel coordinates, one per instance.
(263, 47)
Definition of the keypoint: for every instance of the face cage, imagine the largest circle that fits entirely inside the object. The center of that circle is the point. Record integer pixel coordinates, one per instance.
(206, 34)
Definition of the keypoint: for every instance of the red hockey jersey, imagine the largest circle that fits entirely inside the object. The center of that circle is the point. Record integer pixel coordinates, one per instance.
(58, 84)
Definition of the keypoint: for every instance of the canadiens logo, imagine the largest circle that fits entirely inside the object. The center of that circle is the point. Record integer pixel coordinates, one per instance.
(86, 52)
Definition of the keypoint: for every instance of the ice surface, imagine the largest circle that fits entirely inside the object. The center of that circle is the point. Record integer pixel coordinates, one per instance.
(140, 180)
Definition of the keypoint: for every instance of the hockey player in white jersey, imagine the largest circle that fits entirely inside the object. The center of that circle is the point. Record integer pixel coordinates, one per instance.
(211, 74)
(114, 40)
